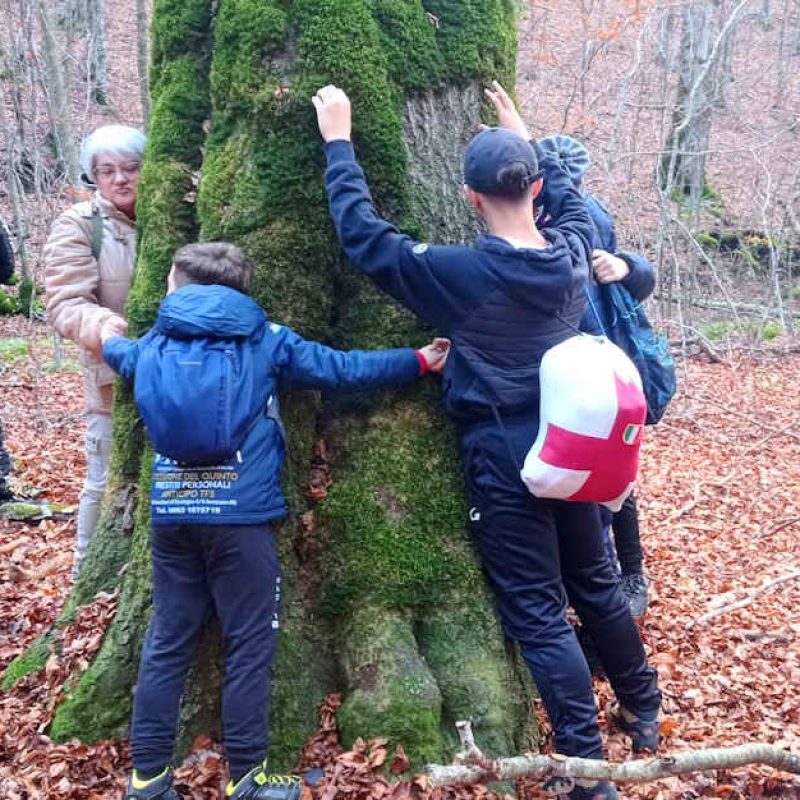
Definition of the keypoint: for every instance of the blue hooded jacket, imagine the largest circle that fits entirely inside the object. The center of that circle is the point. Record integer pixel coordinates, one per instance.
(246, 490)
(502, 306)
(639, 282)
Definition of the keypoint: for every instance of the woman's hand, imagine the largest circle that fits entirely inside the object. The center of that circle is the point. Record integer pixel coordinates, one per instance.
(507, 114)
(609, 268)
(333, 113)
(435, 354)
(113, 326)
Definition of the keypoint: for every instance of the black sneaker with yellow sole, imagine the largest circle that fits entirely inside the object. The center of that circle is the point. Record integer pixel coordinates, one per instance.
(158, 788)
(258, 784)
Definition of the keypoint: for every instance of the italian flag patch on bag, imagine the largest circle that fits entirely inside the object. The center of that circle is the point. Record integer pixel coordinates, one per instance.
(592, 413)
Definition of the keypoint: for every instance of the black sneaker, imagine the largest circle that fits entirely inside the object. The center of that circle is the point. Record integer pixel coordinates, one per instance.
(634, 587)
(572, 789)
(158, 788)
(259, 785)
(644, 731)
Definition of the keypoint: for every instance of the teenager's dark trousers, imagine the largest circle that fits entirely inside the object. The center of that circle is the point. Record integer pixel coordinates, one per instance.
(535, 553)
(626, 537)
(198, 570)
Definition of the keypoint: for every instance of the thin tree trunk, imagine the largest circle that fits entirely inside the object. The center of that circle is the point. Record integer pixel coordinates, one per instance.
(142, 57)
(98, 69)
(15, 188)
(54, 88)
(704, 41)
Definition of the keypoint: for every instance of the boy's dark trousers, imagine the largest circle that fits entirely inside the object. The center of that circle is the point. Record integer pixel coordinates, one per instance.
(198, 570)
(534, 553)
(626, 537)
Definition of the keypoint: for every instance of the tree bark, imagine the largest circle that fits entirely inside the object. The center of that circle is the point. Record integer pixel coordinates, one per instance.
(384, 600)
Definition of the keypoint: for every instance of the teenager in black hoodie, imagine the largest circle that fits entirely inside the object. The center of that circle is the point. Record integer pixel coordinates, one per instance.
(504, 302)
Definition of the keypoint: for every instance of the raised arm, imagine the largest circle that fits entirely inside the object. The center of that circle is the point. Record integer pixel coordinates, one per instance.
(439, 284)
(562, 202)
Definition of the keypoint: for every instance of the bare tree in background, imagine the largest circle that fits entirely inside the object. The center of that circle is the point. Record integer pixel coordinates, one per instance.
(143, 56)
(53, 61)
(83, 23)
(54, 87)
(15, 188)
(703, 70)
(98, 69)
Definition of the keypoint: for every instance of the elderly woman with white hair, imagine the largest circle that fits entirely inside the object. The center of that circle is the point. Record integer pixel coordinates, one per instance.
(89, 258)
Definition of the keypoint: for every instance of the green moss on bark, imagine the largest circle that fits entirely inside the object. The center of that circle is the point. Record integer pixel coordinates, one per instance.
(179, 27)
(305, 672)
(477, 38)
(247, 34)
(396, 514)
(34, 658)
(461, 644)
(392, 692)
(99, 705)
(409, 40)
(167, 221)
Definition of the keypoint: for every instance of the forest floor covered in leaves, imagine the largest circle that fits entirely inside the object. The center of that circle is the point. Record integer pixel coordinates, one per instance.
(720, 507)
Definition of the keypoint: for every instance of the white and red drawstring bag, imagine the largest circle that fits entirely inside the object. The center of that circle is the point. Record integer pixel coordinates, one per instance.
(592, 413)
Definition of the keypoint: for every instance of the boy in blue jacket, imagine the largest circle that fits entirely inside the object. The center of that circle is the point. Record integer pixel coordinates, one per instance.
(504, 302)
(637, 275)
(212, 543)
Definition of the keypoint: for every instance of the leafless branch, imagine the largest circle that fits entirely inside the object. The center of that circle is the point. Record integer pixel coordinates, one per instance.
(479, 769)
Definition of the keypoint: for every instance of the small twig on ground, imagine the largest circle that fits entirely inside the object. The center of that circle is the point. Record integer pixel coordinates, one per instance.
(749, 417)
(726, 609)
(773, 434)
(685, 509)
(638, 771)
(780, 526)
(779, 637)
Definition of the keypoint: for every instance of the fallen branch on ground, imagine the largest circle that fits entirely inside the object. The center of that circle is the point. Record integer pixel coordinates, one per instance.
(701, 342)
(477, 768)
(726, 609)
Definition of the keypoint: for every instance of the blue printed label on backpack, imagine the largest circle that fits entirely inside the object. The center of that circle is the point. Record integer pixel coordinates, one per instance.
(194, 491)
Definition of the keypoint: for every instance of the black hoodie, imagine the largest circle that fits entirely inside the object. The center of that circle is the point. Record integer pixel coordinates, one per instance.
(502, 306)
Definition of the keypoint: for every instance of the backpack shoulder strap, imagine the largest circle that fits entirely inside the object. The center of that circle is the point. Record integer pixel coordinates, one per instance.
(97, 232)
(587, 290)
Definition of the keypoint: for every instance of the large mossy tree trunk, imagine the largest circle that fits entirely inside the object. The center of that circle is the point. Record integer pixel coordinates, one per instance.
(384, 600)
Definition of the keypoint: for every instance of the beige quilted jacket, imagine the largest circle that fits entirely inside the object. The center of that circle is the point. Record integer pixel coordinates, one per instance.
(83, 293)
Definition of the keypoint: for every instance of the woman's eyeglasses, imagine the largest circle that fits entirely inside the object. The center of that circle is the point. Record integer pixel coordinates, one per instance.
(126, 170)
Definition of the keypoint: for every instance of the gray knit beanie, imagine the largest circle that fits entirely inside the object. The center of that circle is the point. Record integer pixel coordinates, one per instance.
(572, 154)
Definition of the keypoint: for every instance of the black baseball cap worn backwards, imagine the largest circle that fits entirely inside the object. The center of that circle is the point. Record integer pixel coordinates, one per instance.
(500, 162)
